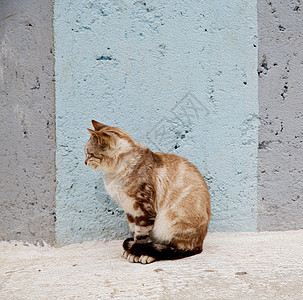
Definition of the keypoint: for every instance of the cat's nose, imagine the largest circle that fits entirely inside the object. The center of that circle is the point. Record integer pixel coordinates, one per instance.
(86, 159)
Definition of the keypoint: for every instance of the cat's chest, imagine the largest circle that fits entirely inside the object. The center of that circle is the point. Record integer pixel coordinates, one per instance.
(118, 194)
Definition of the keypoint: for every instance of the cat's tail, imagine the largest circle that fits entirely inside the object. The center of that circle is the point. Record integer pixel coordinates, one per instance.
(157, 251)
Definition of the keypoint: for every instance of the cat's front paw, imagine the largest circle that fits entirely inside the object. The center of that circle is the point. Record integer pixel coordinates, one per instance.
(135, 256)
(131, 257)
(127, 244)
(143, 259)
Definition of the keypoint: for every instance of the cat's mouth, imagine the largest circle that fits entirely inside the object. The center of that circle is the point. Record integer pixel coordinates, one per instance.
(93, 163)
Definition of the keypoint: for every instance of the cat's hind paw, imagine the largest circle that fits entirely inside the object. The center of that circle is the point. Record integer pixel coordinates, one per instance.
(144, 259)
(128, 243)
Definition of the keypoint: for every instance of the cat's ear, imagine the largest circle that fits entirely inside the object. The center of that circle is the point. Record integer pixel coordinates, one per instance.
(108, 138)
(98, 126)
(103, 138)
(94, 134)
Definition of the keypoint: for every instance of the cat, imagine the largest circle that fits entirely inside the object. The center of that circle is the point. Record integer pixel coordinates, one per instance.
(164, 197)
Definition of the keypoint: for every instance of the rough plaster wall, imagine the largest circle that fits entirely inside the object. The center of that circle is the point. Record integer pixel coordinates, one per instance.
(179, 77)
(280, 191)
(27, 138)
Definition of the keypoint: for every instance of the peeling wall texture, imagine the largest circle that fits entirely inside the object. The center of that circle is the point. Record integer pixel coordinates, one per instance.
(280, 189)
(27, 135)
(179, 77)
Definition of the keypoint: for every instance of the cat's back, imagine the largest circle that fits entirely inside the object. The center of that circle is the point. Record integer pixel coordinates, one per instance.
(179, 181)
(175, 168)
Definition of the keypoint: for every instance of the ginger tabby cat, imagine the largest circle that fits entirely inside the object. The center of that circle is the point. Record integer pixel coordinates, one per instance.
(164, 197)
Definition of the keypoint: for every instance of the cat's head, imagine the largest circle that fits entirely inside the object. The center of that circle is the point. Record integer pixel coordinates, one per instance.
(105, 146)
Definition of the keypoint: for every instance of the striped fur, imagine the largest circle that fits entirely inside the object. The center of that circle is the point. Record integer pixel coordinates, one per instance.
(164, 197)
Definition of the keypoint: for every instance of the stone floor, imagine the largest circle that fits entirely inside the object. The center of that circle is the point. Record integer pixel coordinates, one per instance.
(267, 265)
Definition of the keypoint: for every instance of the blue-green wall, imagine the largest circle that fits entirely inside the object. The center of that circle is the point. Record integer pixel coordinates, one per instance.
(179, 77)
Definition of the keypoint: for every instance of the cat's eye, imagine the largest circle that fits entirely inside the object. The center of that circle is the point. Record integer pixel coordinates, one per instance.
(94, 140)
(104, 146)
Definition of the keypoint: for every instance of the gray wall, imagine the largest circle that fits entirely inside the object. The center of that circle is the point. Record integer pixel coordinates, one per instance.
(280, 190)
(27, 136)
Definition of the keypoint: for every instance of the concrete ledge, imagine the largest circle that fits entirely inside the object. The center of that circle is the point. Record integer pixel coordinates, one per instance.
(267, 265)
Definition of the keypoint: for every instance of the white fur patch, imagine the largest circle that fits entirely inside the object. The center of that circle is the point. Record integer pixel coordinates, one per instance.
(162, 182)
(180, 171)
(115, 190)
(163, 230)
(124, 146)
(94, 163)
